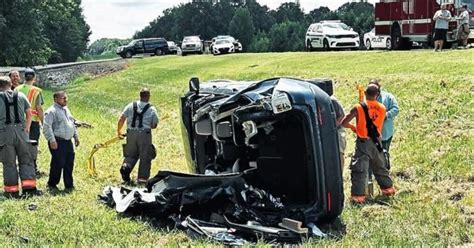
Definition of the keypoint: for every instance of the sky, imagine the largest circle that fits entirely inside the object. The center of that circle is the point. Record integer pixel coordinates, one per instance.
(122, 18)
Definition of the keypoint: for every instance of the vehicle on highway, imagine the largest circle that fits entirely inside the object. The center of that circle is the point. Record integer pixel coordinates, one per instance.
(222, 46)
(157, 46)
(173, 48)
(280, 132)
(327, 35)
(372, 41)
(237, 44)
(191, 44)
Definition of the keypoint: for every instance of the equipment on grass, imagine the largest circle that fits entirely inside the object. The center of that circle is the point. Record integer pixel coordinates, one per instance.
(91, 161)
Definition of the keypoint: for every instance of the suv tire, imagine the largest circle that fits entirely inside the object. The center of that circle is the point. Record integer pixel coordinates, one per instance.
(309, 47)
(326, 45)
(128, 54)
(158, 52)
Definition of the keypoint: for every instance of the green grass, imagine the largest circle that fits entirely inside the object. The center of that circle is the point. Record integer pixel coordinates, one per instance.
(432, 151)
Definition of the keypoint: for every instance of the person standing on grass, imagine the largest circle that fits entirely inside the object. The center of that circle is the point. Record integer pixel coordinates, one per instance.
(35, 97)
(442, 18)
(141, 117)
(391, 106)
(14, 76)
(59, 130)
(463, 29)
(367, 153)
(15, 121)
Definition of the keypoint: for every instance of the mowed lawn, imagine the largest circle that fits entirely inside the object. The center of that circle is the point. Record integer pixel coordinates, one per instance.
(432, 151)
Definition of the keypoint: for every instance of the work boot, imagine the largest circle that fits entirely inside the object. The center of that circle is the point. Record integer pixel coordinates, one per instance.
(358, 199)
(32, 192)
(125, 172)
(388, 191)
(12, 195)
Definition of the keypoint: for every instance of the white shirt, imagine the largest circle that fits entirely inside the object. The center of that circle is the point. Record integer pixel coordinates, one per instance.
(464, 17)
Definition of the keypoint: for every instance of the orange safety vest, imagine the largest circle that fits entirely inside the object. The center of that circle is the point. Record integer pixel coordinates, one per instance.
(377, 114)
(31, 92)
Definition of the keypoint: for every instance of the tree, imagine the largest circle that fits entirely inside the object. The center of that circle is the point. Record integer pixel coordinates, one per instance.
(286, 36)
(289, 12)
(241, 26)
(23, 43)
(37, 32)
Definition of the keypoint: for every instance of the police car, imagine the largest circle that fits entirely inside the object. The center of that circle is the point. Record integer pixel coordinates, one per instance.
(327, 35)
(372, 41)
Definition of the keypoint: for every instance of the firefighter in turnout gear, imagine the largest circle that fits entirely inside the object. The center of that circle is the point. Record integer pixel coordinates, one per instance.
(15, 121)
(369, 116)
(35, 97)
(141, 117)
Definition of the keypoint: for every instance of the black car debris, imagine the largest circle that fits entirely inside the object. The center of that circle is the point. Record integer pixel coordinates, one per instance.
(266, 160)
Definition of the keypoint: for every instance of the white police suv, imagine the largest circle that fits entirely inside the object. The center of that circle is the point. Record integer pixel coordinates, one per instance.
(372, 41)
(327, 35)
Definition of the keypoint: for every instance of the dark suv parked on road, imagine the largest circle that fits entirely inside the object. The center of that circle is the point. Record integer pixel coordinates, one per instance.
(157, 46)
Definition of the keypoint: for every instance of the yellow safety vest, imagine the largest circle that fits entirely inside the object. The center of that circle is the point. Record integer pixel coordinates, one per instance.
(31, 92)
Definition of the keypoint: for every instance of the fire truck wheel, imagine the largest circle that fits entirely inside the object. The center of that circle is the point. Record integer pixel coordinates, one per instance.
(368, 45)
(326, 45)
(396, 38)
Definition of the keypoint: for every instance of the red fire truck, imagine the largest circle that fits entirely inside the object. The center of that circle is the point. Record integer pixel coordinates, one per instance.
(406, 21)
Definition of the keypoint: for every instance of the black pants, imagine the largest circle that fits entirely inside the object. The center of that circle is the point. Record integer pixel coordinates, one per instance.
(34, 135)
(62, 160)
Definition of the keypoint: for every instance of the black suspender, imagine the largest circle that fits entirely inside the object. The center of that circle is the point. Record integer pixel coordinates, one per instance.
(139, 115)
(8, 105)
(371, 128)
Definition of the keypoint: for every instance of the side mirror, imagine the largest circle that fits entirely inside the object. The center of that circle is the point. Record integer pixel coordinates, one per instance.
(194, 85)
(224, 129)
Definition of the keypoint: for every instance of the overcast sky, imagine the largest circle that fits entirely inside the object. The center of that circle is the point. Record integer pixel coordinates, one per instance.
(122, 18)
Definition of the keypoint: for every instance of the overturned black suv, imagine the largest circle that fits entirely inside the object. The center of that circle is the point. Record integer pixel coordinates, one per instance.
(267, 162)
(280, 133)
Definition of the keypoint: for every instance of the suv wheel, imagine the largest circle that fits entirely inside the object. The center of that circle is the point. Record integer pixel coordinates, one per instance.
(128, 54)
(326, 45)
(309, 47)
(158, 52)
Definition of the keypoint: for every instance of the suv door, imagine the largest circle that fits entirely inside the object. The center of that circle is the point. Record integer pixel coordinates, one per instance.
(139, 47)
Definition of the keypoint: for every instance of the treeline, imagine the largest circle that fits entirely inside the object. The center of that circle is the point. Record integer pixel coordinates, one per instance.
(258, 28)
(36, 32)
(105, 47)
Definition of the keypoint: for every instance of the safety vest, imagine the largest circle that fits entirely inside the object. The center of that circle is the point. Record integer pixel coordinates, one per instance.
(377, 114)
(32, 93)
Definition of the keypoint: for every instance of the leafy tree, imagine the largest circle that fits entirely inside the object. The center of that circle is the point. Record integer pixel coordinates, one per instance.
(23, 42)
(289, 12)
(37, 32)
(287, 36)
(242, 27)
(260, 43)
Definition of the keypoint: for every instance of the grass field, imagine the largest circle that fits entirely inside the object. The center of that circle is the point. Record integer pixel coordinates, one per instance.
(432, 151)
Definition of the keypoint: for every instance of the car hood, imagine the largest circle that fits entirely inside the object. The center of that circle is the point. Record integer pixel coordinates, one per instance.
(228, 45)
(340, 32)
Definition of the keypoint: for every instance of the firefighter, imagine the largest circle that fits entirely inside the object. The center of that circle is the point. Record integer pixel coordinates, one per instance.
(35, 97)
(141, 117)
(15, 122)
(463, 29)
(368, 151)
